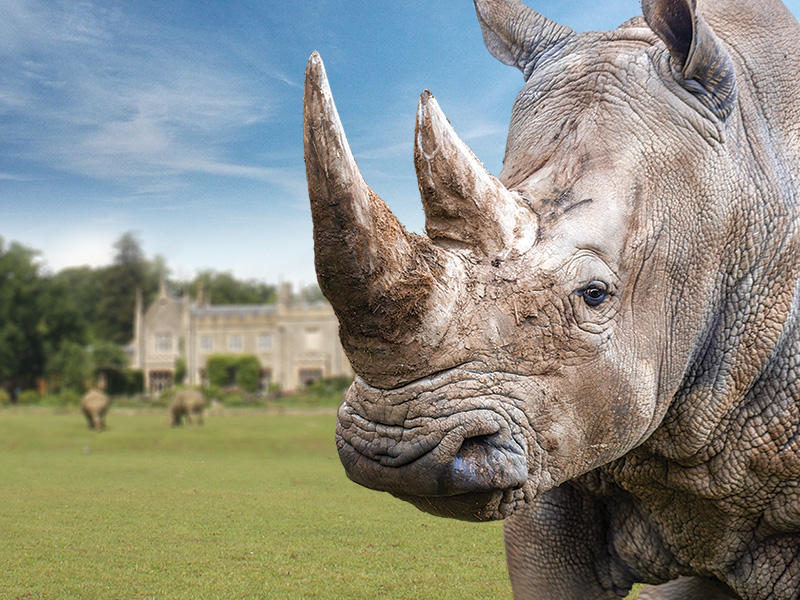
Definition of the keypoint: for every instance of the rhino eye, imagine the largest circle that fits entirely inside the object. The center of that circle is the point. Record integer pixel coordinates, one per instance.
(595, 293)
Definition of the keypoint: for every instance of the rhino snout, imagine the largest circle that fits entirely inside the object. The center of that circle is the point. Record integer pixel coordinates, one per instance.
(484, 463)
(473, 478)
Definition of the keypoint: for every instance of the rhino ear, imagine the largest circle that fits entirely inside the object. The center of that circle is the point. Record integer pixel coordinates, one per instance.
(696, 54)
(515, 34)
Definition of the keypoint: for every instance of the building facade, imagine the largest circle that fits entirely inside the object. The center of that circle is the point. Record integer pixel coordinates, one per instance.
(296, 343)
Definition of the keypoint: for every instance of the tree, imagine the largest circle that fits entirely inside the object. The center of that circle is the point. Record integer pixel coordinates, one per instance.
(312, 294)
(117, 291)
(107, 355)
(70, 367)
(36, 316)
(21, 352)
(75, 367)
(59, 315)
(110, 365)
(224, 288)
(156, 271)
(80, 289)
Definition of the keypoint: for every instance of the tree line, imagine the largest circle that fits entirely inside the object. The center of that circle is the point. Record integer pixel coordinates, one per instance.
(65, 328)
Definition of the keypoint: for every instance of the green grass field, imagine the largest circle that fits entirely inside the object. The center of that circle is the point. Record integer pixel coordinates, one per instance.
(253, 505)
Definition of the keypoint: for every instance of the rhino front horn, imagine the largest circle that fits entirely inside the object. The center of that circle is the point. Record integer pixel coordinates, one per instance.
(378, 277)
(465, 206)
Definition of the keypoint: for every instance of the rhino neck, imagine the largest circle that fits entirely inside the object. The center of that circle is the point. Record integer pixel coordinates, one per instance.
(726, 456)
(730, 467)
(742, 359)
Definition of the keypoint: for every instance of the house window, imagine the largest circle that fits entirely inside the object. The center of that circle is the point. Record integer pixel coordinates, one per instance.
(206, 343)
(160, 381)
(235, 343)
(266, 378)
(313, 339)
(264, 341)
(309, 376)
(163, 341)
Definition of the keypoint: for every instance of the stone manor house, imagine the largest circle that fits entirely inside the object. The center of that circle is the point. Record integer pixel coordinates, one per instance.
(296, 343)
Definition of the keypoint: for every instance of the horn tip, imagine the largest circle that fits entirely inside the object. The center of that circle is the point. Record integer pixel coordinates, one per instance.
(426, 100)
(314, 59)
(429, 109)
(315, 69)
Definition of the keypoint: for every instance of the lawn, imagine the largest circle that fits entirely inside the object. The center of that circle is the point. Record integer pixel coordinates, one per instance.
(253, 505)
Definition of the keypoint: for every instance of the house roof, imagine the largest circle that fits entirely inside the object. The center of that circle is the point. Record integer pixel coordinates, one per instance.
(234, 310)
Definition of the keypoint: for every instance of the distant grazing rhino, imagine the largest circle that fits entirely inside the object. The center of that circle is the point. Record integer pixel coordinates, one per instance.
(189, 404)
(601, 346)
(94, 406)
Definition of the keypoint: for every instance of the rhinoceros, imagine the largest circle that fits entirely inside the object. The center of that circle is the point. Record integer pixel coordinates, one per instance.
(94, 406)
(188, 404)
(601, 345)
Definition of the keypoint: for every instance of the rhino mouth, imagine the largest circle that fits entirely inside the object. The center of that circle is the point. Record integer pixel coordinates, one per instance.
(477, 507)
(467, 462)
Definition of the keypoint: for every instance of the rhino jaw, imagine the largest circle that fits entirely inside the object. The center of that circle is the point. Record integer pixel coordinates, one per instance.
(471, 466)
(481, 482)
(489, 480)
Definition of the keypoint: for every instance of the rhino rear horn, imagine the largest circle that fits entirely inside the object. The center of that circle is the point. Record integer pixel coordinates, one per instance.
(465, 206)
(517, 35)
(376, 275)
(696, 54)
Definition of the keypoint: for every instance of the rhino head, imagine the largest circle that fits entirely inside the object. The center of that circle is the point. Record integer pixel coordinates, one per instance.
(543, 324)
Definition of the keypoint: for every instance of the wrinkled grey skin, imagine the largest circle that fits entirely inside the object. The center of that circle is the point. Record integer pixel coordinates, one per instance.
(94, 406)
(188, 404)
(622, 386)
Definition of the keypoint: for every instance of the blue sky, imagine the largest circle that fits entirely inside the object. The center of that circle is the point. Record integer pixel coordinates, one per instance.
(182, 120)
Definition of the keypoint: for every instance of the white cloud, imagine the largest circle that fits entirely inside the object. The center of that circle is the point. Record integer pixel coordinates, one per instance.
(12, 177)
(91, 247)
(112, 97)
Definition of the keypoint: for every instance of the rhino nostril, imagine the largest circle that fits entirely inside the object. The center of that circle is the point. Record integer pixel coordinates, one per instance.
(477, 445)
(486, 463)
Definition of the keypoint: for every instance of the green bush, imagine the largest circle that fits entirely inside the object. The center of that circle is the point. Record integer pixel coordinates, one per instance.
(329, 386)
(212, 392)
(248, 373)
(135, 379)
(180, 371)
(64, 399)
(5, 399)
(70, 398)
(241, 370)
(122, 382)
(220, 370)
(51, 401)
(161, 401)
(115, 380)
(327, 392)
(28, 398)
(234, 398)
